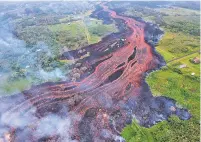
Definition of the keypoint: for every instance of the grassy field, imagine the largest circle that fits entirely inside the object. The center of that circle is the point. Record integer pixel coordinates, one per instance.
(74, 28)
(174, 45)
(97, 29)
(92, 29)
(190, 67)
(179, 44)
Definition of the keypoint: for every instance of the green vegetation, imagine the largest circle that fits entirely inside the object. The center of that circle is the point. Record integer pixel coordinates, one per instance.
(182, 87)
(135, 133)
(177, 11)
(69, 35)
(74, 28)
(174, 45)
(181, 20)
(173, 130)
(15, 86)
(180, 79)
(87, 31)
(190, 67)
(185, 89)
(61, 35)
(97, 29)
(171, 18)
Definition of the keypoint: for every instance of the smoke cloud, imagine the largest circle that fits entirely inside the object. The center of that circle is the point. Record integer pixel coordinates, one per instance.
(28, 125)
(19, 61)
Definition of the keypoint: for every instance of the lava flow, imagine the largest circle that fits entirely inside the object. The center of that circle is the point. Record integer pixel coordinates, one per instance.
(97, 107)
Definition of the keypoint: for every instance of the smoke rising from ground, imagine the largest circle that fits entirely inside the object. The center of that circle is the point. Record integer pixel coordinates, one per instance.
(19, 61)
(29, 125)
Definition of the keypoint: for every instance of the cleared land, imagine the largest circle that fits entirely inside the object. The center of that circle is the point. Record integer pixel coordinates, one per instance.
(91, 29)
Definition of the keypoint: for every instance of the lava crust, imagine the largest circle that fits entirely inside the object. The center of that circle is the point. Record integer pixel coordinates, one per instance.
(100, 104)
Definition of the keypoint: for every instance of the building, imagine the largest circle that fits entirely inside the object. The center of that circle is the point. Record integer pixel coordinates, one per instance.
(196, 60)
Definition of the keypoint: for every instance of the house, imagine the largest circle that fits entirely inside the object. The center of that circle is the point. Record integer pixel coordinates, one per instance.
(182, 66)
(196, 60)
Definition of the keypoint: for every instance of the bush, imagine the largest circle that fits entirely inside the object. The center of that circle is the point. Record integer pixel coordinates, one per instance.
(177, 70)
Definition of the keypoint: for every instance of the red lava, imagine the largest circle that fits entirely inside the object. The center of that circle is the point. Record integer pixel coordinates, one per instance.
(97, 102)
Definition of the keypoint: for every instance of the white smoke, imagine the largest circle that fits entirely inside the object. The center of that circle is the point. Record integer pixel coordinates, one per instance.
(55, 74)
(49, 125)
(14, 54)
(53, 124)
(108, 134)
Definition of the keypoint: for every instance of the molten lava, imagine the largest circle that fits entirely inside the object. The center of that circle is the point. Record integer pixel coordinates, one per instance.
(104, 101)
